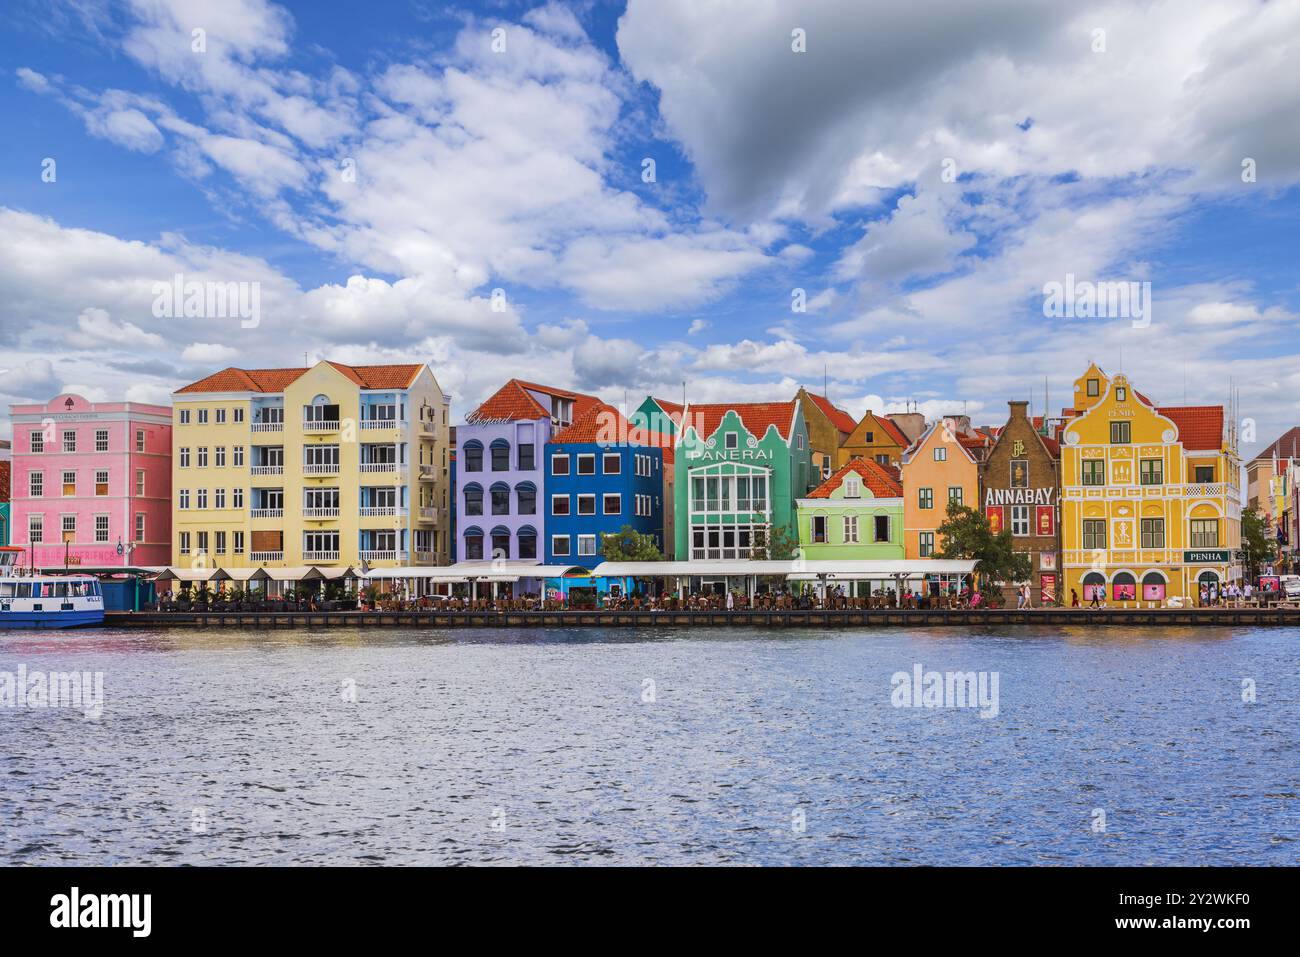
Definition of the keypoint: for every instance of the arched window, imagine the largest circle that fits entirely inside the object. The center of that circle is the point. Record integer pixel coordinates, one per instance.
(526, 492)
(1153, 587)
(473, 543)
(1094, 583)
(472, 455)
(500, 542)
(1124, 587)
(500, 498)
(527, 542)
(473, 499)
(500, 455)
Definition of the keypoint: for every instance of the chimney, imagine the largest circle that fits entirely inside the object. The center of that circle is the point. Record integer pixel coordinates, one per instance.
(1019, 409)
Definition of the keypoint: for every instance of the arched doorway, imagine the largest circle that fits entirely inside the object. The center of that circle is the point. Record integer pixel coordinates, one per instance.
(1207, 588)
(1123, 587)
(1153, 587)
(1094, 586)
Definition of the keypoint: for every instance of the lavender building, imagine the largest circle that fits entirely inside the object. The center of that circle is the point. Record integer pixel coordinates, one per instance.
(500, 466)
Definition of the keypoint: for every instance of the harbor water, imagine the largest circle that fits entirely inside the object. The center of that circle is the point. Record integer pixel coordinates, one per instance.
(620, 746)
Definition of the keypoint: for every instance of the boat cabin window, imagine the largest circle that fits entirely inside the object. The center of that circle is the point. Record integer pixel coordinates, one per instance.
(7, 589)
(25, 589)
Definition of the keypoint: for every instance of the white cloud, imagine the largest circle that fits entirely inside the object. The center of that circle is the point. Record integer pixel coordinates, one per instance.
(210, 353)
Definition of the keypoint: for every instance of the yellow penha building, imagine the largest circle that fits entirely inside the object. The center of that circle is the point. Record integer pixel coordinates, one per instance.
(330, 465)
(1150, 506)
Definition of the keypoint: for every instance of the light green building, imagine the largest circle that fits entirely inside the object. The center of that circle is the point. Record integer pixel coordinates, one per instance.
(857, 513)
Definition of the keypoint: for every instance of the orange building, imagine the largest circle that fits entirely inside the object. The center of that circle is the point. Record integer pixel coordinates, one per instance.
(942, 466)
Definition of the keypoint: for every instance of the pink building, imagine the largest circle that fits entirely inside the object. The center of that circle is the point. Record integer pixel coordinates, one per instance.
(96, 474)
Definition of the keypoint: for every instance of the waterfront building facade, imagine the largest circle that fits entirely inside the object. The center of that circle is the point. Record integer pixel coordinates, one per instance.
(828, 428)
(1270, 489)
(91, 483)
(332, 465)
(5, 466)
(855, 514)
(740, 468)
(1150, 507)
(877, 438)
(502, 470)
(602, 474)
(942, 466)
(1020, 491)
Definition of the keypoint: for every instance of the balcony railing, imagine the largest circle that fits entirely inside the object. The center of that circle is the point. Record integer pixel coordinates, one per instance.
(267, 427)
(321, 425)
(427, 558)
(320, 513)
(428, 514)
(320, 556)
(428, 471)
(268, 513)
(380, 424)
(379, 466)
(266, 556)
(379, 511)
(328, 468)
(372, 555)
(267, 470)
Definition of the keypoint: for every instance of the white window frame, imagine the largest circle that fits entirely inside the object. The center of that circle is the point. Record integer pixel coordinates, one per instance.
(618, 463)
(604, 503)
(567, 504)
(555, 539)
(584, 495)
(586, 546)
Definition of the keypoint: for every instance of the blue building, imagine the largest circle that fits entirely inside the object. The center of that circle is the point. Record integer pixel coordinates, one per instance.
(601, 474)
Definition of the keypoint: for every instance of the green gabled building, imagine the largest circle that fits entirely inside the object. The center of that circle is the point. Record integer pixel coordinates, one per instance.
(740, 469)
(856, 514)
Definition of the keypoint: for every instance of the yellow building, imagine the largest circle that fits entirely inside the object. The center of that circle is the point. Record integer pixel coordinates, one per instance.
(329, 465)
(1150, 507)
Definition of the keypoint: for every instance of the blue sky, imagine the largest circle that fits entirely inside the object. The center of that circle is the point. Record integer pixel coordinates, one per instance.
(920, 172)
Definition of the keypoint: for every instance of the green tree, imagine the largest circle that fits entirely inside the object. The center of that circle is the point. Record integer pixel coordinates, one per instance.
(629, 545)
(1259, 544)
(778, 545)
(967, 534)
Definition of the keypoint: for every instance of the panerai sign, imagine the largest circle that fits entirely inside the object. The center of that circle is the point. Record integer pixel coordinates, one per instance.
(730, 455)
(1020, 496)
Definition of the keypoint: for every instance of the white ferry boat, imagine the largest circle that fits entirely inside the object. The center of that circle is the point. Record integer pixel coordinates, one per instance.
(46, 601)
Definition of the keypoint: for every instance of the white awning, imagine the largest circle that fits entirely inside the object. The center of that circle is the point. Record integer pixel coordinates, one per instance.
(248, 574)
(333, 574)
(798, 570)
(295, 573)
(182, 574)
(478, 571)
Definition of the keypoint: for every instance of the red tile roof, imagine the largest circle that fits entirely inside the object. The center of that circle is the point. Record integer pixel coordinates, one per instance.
(839, 418)
(276, 380)
(603, 423)
(1200, 427)
(874, 476)
(1286, 445)
(894, 431)
(674, 409)
(513, 401)
(756, 417)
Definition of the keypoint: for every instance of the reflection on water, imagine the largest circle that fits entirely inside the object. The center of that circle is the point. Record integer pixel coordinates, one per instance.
(653, 746)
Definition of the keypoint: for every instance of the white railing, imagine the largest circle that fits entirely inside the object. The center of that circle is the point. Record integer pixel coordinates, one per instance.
(267, 427)
(267, 470)
(383, 556)
(320, 513)
(329, 468)
(266, 556)
(320, 556)
(1206, 490)
(380, 424)
(428, 514)
(379, 466)
(321, 425)
(428, 471)
(427, 557)
(268, 513)
(378, 511)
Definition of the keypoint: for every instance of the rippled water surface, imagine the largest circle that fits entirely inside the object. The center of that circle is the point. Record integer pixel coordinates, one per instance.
(233, 747)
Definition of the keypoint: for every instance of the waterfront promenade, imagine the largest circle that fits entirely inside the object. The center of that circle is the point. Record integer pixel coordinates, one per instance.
(714, 617)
